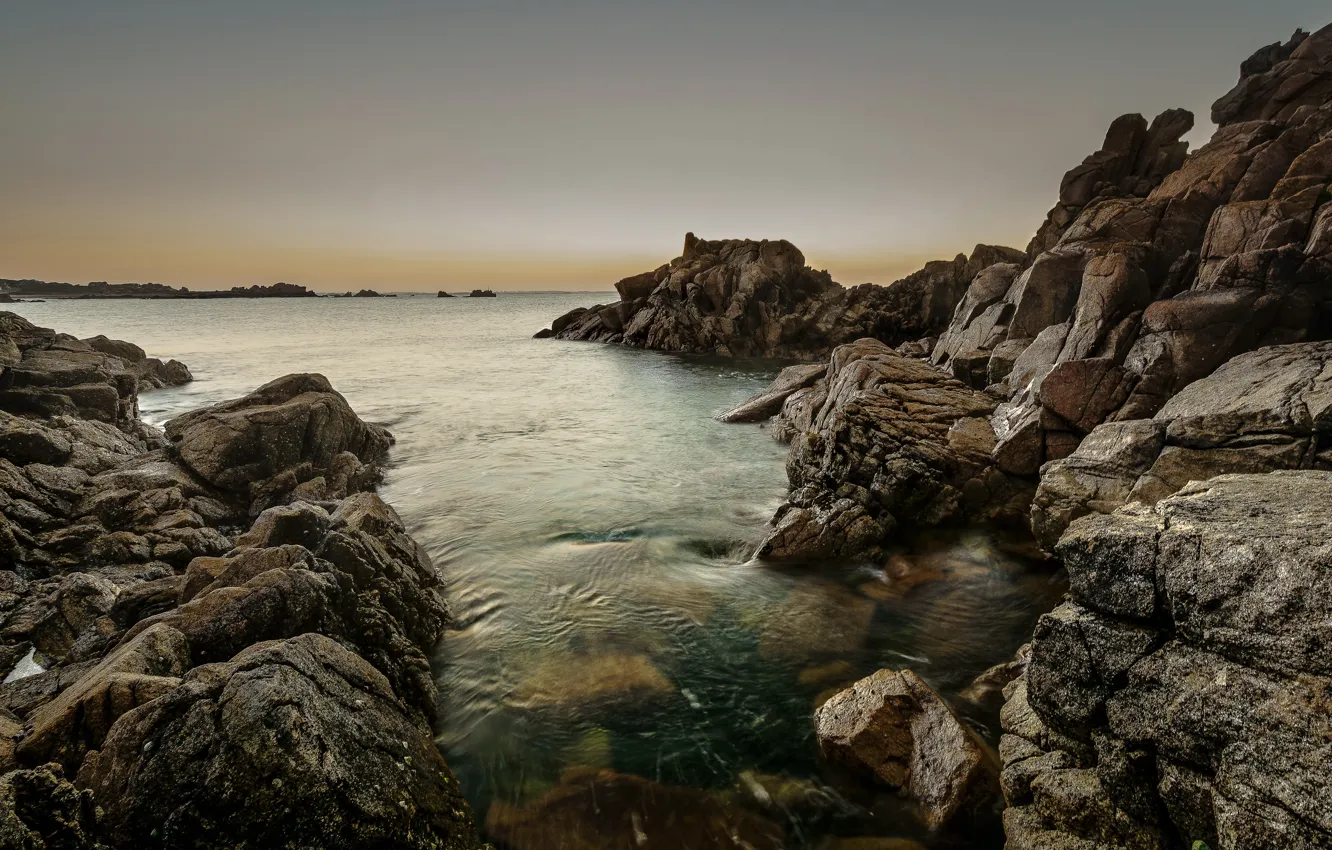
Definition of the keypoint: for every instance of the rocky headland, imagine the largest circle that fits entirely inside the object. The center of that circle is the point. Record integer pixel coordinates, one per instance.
(744, 297)
(1145, 391)
(213, 636)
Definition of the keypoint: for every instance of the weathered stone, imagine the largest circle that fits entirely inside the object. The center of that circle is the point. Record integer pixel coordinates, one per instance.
(315, 749)
(263, 445)
(758, 298)
(769, 402)
(895, 729)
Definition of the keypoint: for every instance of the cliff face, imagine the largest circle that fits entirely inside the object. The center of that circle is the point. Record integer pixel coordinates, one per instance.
(1182, 693)
(758, 298)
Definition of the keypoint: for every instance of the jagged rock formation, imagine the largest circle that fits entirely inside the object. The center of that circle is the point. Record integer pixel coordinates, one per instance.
(885, 440)
(208, 684)
(481, 293)
(1261, 411)
(1181, 694)
(1152, 271)
(758, 298)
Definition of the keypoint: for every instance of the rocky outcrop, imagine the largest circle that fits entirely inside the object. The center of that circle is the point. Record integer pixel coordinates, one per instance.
(1153, 270)
(893, 729)
(481, 293)
(40, 809)
(311, 746)
(1277, 80)
(1261, 411)
(1181, 694)
(758, 298)
(293, 435)
(886, 440)
(210, 685)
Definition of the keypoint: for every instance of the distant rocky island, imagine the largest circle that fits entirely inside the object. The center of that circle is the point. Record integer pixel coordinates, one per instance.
(481, 293)
(1144, 388)
(102, 289)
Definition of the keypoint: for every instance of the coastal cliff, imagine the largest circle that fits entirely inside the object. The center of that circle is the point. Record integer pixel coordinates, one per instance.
(1146, 391)
(216, 635)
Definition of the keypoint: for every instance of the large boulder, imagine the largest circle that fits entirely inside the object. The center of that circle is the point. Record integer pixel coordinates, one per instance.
(893, 441)
(893, 729)
(1183, 689)
(298, 743)
(291, 432)
(758, 298)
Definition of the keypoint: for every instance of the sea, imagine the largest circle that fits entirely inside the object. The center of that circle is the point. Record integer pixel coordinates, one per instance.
(595, 526)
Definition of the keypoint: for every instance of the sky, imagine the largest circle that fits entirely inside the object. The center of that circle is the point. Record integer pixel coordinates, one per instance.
(544, 144)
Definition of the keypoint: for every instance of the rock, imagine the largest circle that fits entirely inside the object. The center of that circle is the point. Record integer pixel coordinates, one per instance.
(23, 442)
(893, 728)
(443, 294)
(1277, 80)
(1190, 658)
(39, 808)
(300, 524)
(260, 446)
(591, 809)
(591, 681)
(769, 402)
(298, 742)
(895, 441)
(78, 719)
(1261, 411)
(481, 293)
(986, 690)
(758, 298)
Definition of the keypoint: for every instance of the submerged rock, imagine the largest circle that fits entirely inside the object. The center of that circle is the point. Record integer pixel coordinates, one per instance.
(893, 728)
(592, 681)
(593, 809)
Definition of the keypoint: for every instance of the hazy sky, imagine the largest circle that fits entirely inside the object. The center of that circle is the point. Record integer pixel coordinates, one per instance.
(537, 144)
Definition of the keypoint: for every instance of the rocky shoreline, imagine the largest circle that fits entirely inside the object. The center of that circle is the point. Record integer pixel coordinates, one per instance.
(1145, 390)
(216, 635)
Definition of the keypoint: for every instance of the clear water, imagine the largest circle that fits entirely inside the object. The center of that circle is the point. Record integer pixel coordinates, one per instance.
(593, 522)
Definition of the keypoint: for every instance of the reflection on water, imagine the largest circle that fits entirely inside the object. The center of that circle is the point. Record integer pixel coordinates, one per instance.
(621, 674)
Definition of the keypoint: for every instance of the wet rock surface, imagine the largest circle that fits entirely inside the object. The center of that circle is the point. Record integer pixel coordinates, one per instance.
(201, 676)
(744, 297)
(1181, 695)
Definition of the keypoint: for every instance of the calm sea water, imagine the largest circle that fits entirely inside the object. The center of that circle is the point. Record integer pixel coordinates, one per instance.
(594, 523)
